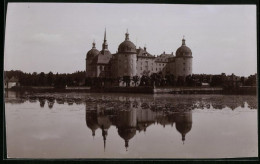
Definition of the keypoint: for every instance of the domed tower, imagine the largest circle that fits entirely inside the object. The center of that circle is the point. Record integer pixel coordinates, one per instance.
(183, 60)
(91, 121)
(127, 134)
(104, 123)
(183, 123)
(126, 58)
(89, 57)
(126, 124)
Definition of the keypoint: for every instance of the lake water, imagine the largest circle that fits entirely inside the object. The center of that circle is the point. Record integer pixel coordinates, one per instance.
(105, 125)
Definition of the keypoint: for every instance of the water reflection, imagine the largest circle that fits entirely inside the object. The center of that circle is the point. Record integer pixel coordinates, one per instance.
(133, 118)
(119, 118)
(154, 103)
(131, 114)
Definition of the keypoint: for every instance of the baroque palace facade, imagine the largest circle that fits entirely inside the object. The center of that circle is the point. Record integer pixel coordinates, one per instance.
(130, 61)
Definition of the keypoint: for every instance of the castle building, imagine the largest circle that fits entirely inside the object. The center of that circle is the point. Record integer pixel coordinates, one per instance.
(130, 61)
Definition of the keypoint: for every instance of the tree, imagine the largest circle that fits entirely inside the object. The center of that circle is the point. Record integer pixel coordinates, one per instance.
(41, 79)
(144, 80)
(189, 80)
(127, 80)
(154, 80)
(251, 81)
(216, 80)
(136, 79)
(180, 81)
(172, 80)
(50, 79)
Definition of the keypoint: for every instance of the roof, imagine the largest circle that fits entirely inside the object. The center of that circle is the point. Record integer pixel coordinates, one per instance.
(183, 51)
(6, 79)
(101, 59)
(126, 133)
(105, 52)
(143, 53)
(164, 57)
(127, 46)
(13, 79)
(93, 52)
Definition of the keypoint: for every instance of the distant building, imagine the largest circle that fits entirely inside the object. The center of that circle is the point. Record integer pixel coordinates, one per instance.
(130, 61)
(9, 83)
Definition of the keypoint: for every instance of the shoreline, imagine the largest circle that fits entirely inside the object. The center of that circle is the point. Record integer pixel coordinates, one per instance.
(251, 90)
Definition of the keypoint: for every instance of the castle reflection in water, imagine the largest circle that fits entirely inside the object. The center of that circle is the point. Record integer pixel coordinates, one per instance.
(134, 118)
(130, 114)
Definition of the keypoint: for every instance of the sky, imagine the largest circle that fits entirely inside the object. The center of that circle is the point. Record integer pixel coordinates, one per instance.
(44, 37)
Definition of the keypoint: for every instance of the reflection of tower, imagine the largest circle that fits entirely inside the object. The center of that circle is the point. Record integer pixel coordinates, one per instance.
(145, 117)
(126, 124)
(183, 123)
(50, 104)
(42, 102)
(91, 121)
(103, 122)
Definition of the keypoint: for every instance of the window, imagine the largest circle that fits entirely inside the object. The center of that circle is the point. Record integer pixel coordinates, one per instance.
(146, 65)
(183, 69)
(183, 63)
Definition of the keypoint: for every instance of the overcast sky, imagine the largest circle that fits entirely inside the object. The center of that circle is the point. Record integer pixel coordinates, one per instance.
(55, 37)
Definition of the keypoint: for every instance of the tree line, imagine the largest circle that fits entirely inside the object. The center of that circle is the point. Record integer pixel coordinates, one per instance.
(78, 78)
(158, 80)
(49, 79)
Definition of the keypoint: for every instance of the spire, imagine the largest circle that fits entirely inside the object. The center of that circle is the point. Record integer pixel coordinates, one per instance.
(183, 138)
(126, 35)
(145, 47)
(183, 41)
(93, 133)
(104, 138)
(104, 134)
(105, 35)
(94, 44)
(126, 144)
(105, 45)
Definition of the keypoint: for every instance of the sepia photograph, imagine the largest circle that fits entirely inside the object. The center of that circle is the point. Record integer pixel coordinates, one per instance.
(130, 81)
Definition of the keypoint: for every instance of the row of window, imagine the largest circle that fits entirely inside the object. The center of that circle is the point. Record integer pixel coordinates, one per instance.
(184, 69)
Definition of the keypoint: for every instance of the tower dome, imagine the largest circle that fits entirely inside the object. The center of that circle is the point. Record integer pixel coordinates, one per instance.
(93, 52)
(127, 46)
(91, 121)
(183, 123)
(127, 134)
(183, 51)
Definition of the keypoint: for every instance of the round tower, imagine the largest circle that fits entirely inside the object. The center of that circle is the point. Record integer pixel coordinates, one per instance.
(183, 123)
(89, 57)
(126, 58)
(183, 60)
(126, 123)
